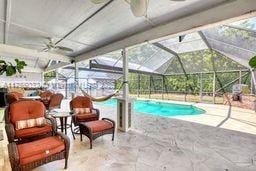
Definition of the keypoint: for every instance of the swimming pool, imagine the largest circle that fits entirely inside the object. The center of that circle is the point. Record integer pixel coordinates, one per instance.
(159, 108)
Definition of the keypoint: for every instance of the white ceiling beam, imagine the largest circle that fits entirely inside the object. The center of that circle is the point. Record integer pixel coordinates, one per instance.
(19, 52)
(219, 15)
(49, 63)
(8, 7)
(56, 66)
(32, 69)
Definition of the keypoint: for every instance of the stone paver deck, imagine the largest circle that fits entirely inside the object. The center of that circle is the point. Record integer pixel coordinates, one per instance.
(212, 141)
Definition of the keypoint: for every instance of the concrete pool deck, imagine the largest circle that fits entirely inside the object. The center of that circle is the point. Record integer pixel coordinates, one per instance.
(211, 141)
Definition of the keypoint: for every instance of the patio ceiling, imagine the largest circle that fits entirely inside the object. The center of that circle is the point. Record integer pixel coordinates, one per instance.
(92, 30)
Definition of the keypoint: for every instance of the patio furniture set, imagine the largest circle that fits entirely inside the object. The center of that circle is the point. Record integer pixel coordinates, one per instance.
(32, 132)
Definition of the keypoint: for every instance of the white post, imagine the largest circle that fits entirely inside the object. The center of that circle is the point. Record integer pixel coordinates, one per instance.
(87, 85)
(163, 87)
(125, 88)
(253, 79)
(213, 87)
(125, 73)
(56, 79)
(251, 88)
(42, 79)
(76, 78)
(124, 104)
(201, 87)
(240, 77)
(66, 88)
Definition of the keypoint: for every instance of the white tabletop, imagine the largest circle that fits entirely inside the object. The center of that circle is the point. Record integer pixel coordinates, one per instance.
(31, 97)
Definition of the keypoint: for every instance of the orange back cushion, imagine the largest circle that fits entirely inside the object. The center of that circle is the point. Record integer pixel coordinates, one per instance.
(56, 100)
(11, 98)
(46, 94)
(26, 109)
(17, 94)
(81, 102)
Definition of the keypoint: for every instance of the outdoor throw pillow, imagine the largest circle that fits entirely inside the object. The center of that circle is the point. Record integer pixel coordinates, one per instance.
(40, 122)
(82, 110)
(31, 123)
(22, 124)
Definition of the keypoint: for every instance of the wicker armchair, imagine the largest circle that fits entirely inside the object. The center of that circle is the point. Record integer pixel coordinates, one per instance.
(13, 97)
(81, 102)
(45, 97)
(55, 102)
(27, 156)
(10, 98)
(24, 110)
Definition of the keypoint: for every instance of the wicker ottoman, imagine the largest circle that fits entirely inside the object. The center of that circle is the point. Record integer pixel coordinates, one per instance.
(36, 153)
(95, 129)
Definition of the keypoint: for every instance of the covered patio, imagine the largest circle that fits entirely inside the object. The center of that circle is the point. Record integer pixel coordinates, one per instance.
(189, 53)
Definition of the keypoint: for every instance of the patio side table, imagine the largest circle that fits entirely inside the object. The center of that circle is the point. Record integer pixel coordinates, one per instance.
(63, 117)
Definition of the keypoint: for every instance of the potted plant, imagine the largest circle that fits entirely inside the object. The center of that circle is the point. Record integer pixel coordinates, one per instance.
(9, 69)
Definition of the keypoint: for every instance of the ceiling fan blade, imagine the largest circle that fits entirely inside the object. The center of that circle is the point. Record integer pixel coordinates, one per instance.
(98, 1)
(34, 45)
(64, 48)
(45, 50)
(139, 7)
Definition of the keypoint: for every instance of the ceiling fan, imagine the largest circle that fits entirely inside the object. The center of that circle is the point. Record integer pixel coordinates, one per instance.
(138, 7)
(51, 46)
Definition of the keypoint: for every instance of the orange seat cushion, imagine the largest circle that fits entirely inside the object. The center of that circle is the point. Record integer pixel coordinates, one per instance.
(39, 149)
(85, 116)
(99, 125)
(30, 132)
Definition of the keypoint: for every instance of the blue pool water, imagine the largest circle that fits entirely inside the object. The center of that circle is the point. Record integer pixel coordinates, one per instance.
(159, 108)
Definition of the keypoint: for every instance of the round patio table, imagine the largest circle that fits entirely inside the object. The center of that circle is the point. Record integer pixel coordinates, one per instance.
(63, 117)
(31, 97)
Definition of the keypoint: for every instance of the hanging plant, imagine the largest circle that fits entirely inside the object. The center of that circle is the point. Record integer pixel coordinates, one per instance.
(9, 69)
(252, 62)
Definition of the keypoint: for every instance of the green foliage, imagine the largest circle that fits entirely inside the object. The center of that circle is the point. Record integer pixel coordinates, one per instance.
(49, 76)
(9, 69)
(200, 61)
(252, 62)
(179, 83)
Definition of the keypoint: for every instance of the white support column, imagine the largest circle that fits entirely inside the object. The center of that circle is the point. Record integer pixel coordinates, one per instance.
(213, 88)
(42, 79)
(240, 77)
(251, 88)
(76, 78)
(66, 88)
(125, 89)
(125, 73)
(124, 104)
(253, 79)
(163, 87)
(57, 79)
(201, 87)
